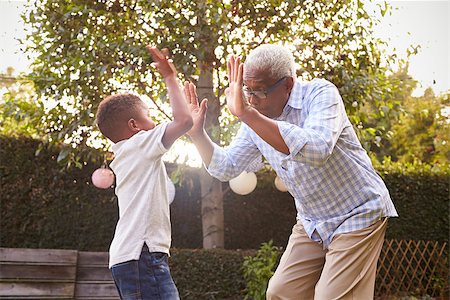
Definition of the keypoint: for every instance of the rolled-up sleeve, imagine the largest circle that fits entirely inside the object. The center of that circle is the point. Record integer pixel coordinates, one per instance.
(314, 142)
(241, 155)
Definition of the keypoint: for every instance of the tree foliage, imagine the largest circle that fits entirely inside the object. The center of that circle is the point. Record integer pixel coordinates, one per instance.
(418, 133)
(422, 133)
(86, 50)
(20, 112)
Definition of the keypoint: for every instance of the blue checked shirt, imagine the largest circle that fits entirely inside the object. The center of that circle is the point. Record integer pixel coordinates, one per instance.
(329, 174)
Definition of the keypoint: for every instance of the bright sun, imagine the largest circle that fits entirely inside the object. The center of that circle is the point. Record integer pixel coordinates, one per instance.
(183, 152)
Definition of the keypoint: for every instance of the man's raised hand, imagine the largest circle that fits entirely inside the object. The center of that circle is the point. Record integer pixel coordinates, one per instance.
(236, 102)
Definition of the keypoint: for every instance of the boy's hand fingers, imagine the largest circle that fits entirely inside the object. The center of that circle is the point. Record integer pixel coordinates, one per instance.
(194, 91)
(165, 52)
(187, 92)
(155, 53)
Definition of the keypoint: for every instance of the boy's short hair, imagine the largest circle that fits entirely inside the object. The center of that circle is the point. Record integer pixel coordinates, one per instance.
(114, 112)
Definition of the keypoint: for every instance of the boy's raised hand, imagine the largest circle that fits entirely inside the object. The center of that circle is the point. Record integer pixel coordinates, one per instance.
(198, 111)
(162, 62)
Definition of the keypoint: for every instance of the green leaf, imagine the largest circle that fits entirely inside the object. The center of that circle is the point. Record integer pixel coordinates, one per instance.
(63, 154)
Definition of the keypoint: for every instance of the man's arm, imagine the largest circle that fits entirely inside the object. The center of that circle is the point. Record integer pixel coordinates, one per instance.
(266, 128)
(220, 163)
(263, 126)
(314, 142)
(204, 145)
(182, 120)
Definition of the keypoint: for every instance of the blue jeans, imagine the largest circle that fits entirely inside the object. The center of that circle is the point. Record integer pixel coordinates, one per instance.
(145, 279)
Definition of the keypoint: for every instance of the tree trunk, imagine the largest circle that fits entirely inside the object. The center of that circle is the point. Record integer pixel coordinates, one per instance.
(212, 211)
(211, 188)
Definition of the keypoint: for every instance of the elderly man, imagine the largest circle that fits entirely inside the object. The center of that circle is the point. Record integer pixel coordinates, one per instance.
(303, 131)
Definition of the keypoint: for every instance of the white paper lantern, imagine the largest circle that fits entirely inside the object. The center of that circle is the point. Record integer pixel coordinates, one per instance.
(170, 191)
(244, 184)
(279, 184)
(103, 178)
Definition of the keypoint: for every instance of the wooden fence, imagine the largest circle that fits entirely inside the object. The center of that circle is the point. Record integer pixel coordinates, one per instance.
(55, 274)
(404, 268)
(413, 268)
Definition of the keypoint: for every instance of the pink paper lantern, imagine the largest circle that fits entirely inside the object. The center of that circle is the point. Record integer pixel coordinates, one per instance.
(103, 178)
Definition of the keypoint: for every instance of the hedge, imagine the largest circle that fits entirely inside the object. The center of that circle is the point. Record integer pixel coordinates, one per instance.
(209, 274)
(43, 206)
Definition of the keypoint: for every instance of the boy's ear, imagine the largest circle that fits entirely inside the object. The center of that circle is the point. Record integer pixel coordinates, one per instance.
(133, 125)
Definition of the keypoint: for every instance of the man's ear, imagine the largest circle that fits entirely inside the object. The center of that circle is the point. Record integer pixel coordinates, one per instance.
(289, 83)
(133, 125)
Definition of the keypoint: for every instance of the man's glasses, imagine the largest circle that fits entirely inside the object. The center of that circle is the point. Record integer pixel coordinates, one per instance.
(262, 94)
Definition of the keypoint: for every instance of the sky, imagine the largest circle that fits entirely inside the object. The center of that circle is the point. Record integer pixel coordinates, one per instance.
(424, 23)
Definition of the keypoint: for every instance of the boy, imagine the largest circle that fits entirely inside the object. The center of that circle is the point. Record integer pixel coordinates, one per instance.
(139, 250)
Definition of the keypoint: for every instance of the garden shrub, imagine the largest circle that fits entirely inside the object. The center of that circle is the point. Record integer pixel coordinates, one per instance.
(258, 269)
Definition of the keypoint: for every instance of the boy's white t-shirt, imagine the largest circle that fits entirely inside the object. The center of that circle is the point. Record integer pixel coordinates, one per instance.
(141, 190)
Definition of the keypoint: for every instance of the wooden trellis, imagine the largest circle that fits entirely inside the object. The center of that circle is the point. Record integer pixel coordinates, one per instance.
(408, 266)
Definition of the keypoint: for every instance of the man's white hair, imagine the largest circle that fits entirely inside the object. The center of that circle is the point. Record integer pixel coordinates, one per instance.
(275, 59)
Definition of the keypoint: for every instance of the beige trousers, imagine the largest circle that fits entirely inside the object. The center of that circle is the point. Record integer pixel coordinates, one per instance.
(345, 271)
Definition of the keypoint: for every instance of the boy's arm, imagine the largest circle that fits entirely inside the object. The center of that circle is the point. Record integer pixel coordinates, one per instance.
(182, 120)
(197, 133)
(225, 164)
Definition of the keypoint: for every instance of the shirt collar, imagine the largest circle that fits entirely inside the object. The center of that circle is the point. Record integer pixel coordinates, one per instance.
(294, 101)
(296, 96)
(115, 147)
